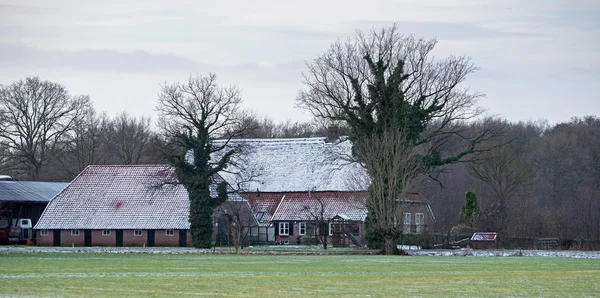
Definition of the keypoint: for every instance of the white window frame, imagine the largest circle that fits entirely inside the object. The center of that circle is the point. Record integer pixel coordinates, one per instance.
(44, 232)
(284, 228)
(419, 222)
(106, 233)
(136, 232)
(330, 228)
(302, 228)
(406, 221)
(169, 233)
(75, 232)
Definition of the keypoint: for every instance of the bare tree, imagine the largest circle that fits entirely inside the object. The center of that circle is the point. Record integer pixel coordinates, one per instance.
(88, 145)
(131, 138)
(393, 167)
(238, 218)
(504, 171)
(37, 117)
(192, 115)
(383, 81)
(316, 208)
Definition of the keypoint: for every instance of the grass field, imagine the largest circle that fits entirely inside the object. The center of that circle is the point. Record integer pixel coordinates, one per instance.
(127, 275)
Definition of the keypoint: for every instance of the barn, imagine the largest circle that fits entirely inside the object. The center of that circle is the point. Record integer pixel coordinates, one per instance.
(133, 205)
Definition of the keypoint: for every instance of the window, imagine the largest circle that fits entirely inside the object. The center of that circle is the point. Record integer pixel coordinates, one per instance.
(419, 222)
(169, 233)
(137, 232)
(284, 228)
(74, 232)
(259, 215)
(330, 228)
(406, 221)
(105, 232)
(43, 232)
(302, 228)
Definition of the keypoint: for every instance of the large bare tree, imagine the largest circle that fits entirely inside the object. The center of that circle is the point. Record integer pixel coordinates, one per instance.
(192, 115)
(37, 117)
(383, 81)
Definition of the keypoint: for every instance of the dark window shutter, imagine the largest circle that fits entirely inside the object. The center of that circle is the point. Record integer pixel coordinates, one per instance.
(291, 225)
(276, 224)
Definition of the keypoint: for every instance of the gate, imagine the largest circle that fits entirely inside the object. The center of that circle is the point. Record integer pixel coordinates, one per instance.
(56, 237)
(119, 238)
(87, 237)
(183, 238)
(151, 237)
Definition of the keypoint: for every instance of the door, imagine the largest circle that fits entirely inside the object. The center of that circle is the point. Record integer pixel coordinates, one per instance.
(151, 237)
(183, 238)
(56, 237)
(87, 237)
(119, 237)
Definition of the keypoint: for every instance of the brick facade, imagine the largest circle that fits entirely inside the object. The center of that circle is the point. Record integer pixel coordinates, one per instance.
(129, 238)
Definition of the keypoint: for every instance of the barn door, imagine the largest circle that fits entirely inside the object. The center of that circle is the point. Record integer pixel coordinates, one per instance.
(151, 237)
(87, 237)
(56, 237)
(119, 238)
(183, 238)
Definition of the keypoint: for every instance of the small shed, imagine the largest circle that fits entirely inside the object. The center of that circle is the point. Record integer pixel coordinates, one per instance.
(484, 240)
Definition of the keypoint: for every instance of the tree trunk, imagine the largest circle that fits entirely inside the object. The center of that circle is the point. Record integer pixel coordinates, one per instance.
(390, 245)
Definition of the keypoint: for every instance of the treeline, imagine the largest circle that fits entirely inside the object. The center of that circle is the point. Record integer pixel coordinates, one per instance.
(47, 134)
(532, 179)
(536, 180)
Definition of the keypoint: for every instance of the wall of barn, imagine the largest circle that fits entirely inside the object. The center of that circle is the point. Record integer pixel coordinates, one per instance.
(45, 240)
(67, 240)
(129, 239)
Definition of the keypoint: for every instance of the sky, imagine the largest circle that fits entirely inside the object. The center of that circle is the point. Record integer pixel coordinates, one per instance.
(537, 59)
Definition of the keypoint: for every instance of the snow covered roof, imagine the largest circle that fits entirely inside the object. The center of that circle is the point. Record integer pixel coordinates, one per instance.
(122, 197)
(284, 206)
(29, 191)
(484, 236)
(304, 206)
(288, 165)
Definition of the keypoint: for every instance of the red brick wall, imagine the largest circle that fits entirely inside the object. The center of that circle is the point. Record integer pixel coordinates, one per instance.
(99, 240)
(67, 240)
(45, 240)
(130, 240)
(161, 239)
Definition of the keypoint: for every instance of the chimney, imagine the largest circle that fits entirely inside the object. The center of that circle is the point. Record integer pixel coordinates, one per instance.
(333, 133)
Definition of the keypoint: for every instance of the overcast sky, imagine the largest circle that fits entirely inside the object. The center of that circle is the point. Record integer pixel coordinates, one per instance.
(538, 59)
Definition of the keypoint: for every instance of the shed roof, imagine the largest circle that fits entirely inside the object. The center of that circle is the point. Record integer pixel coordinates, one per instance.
(29, 191)
(484, 236)
(122, 197)
(288, 165)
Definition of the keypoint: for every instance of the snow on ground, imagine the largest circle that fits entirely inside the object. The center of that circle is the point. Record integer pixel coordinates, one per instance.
(301, 250)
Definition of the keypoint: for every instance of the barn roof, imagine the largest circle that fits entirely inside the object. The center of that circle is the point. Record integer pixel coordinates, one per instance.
(287, 165)
(29, 191)
(122, 197)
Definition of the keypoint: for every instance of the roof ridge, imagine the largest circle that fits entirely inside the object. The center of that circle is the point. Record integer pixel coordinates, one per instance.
(125, 166)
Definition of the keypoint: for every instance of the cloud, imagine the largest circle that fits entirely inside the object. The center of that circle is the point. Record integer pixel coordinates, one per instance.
(444, 30)
(92, 60)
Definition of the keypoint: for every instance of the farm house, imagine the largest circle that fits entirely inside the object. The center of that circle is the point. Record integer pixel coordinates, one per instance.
(295, 179)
